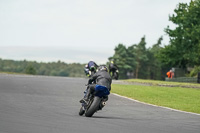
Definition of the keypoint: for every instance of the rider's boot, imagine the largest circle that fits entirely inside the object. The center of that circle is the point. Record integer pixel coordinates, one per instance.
(86, 98)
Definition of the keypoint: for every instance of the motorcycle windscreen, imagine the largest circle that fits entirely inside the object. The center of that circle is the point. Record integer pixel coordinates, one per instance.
(101, 91)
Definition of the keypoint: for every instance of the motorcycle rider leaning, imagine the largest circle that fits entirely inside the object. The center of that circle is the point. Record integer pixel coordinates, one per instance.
(101, 77)
(89, 66)
(112, 67)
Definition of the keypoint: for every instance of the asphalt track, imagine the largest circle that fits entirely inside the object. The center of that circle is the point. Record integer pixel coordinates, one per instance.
(40, 104)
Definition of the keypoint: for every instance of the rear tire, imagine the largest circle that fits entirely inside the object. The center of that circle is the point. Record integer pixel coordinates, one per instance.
(94, 107)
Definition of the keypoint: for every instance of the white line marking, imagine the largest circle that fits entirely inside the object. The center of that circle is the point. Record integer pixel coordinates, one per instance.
(155, 105)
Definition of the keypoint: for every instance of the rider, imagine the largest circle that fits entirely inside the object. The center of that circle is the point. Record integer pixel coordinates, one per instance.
(112, 67)
(101, 77)
(89, 66)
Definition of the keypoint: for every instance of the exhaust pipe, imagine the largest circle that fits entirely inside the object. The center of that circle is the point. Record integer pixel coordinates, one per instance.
(103, 103)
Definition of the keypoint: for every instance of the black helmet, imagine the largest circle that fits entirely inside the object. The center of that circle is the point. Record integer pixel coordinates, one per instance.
(103, 68)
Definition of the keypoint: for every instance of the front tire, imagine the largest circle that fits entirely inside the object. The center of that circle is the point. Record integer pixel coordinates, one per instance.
(94, 107)
(116, 75)
(82, 111)
(92, 73)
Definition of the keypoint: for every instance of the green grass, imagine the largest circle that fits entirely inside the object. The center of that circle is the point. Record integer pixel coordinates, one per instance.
(163, 83)
(185, 99)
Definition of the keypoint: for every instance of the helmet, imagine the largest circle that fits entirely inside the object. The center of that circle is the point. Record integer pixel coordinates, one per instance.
(103, 68)
(112, 61)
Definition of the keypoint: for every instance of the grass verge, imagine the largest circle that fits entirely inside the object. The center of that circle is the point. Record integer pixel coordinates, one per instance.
(163, 83)
(185, 99)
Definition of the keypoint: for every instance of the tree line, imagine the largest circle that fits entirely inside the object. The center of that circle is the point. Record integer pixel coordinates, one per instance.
(137, 61)
(51, 69)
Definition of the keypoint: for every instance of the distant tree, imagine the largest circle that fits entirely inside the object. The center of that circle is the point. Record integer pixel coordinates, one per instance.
(141, 58)
(131, 60)
(30, 70)
(52, 68)
(195, 71)
(154, 64)
(120, 58)
(184, 47)
(63, 73)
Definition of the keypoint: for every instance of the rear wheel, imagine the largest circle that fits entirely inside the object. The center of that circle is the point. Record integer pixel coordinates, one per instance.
(94, 107)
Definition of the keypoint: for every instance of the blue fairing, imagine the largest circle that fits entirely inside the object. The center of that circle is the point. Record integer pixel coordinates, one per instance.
(101, 91)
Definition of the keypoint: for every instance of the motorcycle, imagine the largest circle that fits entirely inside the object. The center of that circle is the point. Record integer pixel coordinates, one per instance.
(97, 100)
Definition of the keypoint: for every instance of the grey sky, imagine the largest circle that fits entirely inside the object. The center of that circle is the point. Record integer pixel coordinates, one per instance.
(79, 30)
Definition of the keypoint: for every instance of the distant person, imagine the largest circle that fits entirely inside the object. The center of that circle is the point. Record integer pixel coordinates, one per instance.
(170, 74)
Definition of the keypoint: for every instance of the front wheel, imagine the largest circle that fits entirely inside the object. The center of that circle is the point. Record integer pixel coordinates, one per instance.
(94, 107)
(82, 111)
(116, 75)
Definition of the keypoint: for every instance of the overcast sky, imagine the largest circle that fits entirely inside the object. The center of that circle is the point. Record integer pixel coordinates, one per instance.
(79, 30)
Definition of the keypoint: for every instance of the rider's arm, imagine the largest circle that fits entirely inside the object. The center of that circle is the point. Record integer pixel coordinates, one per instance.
(93, 78)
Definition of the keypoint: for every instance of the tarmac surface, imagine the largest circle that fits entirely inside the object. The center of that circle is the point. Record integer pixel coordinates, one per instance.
(42, 104)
